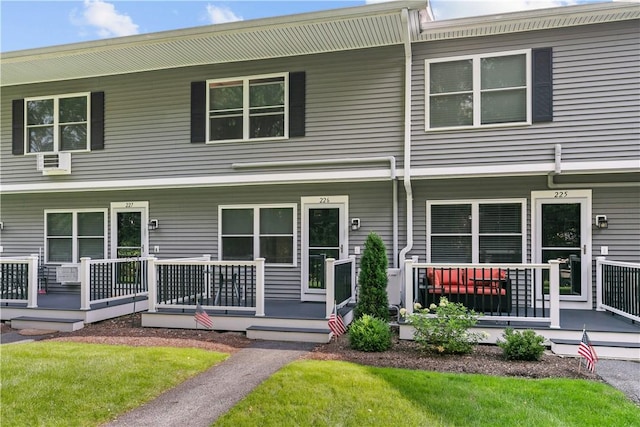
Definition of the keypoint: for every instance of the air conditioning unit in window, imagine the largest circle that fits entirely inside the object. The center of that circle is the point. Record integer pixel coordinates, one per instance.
(54, 164)
(68, 274)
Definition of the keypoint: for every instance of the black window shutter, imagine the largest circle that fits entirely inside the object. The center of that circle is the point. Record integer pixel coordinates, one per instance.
(97, 121)
(542, 107)
(297, 83)
(198, 111)
(17, 137)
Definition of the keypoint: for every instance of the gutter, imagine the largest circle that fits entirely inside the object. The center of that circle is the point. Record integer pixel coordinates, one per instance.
(551, 184)
(407, 133)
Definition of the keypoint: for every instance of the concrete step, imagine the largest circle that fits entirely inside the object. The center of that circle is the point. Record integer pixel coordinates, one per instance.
(276, 333)
(62, 325)
(604, 349)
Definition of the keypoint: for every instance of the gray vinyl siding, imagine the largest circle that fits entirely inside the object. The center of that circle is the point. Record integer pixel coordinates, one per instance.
(596, 101)
(353, 109)
(189, 219)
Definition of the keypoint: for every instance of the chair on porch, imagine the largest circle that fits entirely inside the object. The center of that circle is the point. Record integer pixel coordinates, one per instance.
(225, 286)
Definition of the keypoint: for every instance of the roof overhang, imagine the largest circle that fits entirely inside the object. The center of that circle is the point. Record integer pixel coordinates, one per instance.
(359, 27)
(533, 20)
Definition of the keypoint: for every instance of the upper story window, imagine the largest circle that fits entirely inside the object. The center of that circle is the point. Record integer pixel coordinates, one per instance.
(58, 123)
(55, 123)
(249, 232)
(253, 108)
(479, 90)
(248, 108)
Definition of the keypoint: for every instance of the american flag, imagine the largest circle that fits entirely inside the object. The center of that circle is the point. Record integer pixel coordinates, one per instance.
(202, 317)
(586, 350)
(336, 324)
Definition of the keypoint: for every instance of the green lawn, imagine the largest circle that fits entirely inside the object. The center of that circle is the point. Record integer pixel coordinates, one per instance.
(321, 393)
(72, 384)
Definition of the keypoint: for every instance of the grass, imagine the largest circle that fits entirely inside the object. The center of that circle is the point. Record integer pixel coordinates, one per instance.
(73, 384)
(331, 393)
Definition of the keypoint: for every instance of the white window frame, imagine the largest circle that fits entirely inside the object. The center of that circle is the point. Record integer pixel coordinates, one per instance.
(475, 223)
(477, 107)
(56, 123)
(245, 108)
(256, 230)
(74, 233)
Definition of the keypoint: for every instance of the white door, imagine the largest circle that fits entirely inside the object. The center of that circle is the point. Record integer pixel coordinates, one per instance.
(562, 231)
(324, 235)
(129, 234)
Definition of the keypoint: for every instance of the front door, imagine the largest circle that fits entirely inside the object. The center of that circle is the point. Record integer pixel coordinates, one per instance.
(324, 236)
(129, 235)
(563, 232)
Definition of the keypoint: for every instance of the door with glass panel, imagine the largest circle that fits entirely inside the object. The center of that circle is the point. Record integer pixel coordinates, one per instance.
(324, 237)
(129, 238)
(563, 233)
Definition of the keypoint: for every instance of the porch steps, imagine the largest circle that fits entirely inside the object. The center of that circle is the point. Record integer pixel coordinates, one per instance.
(604, 349)
(277, 333)
(62, 325)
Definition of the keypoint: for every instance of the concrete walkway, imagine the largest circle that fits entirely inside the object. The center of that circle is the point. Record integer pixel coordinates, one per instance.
(623, 375)
(200, 400)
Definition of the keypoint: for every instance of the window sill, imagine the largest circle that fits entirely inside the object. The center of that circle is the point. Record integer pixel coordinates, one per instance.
(48, 153)
(479, 128)
(242, 141)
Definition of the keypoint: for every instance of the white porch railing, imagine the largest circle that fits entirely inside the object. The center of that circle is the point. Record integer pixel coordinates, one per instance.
(525, 298)
(19, 280)
(223, 285)
(104, 280)
(618, 287)
(340, 282)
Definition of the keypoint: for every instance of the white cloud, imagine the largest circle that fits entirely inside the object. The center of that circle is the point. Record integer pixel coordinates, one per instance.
(448, 9)
(107, 21)
(221, 14)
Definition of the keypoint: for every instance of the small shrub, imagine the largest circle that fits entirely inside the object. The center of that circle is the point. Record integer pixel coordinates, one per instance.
(370, 334)
(525, 345)
(444, 328)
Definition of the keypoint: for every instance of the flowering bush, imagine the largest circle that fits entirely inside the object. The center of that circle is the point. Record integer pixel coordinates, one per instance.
(444, 328)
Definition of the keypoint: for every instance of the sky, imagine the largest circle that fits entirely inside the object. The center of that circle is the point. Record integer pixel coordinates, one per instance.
(26, 24)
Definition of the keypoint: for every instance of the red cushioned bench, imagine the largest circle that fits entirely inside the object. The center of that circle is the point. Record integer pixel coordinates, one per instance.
(481, 289)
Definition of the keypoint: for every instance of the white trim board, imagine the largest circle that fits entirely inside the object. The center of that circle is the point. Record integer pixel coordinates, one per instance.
(516, 169)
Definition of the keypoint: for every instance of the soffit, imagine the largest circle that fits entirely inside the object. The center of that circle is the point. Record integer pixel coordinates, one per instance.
(541, 19)
(343, 29)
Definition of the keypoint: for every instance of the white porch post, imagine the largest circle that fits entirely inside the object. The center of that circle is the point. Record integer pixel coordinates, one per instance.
(599, 261)
(408, 285)
(32, 281)
(260, 287)
(152, 283)
(330, 286)
(554, 294)
(85, 283)
(353, 279)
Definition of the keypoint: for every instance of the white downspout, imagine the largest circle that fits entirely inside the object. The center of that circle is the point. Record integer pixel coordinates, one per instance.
(407, 133)
(551, 184)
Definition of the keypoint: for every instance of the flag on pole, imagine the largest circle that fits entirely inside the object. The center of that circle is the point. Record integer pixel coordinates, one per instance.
(202, 317)
(336, 323)
(586, 350)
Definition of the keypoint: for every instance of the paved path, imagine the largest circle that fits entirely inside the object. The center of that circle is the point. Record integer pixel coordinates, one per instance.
(200, 400)
(623, 375)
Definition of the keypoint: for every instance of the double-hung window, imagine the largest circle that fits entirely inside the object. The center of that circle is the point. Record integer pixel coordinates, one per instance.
(57, 123)
(71, 235)
(490, 231)
(249, 108)
(249, 232)
(478, 90)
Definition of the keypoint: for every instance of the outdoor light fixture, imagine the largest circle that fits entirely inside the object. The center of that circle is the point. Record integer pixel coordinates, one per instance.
(1, 225)
(601, 221)
(153, 224)
(355, 224)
